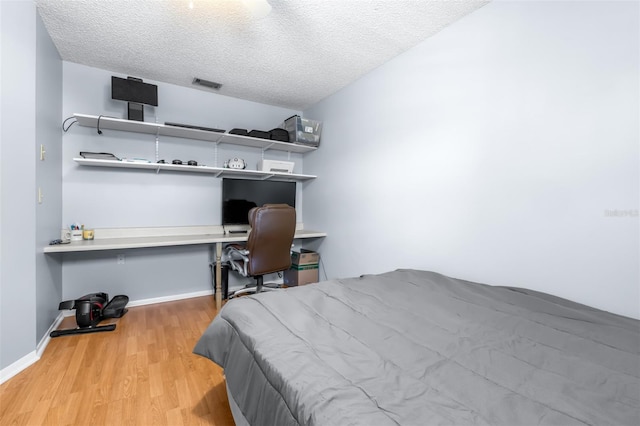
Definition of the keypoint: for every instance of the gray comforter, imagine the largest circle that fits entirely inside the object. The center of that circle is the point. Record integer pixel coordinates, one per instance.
(418, 348)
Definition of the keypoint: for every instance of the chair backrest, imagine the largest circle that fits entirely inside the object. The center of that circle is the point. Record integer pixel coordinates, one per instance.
(269, 243)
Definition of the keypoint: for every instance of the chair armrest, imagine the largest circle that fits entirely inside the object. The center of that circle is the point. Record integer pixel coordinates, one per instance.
(237, 256)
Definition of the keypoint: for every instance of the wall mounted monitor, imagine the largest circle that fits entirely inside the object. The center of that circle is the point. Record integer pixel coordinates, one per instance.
(134, 90)
(241, 195)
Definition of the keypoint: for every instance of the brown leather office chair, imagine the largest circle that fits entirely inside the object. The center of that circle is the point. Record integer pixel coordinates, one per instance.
(268, 247)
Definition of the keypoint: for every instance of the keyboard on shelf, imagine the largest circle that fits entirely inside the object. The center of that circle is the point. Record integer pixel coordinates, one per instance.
(190, 126)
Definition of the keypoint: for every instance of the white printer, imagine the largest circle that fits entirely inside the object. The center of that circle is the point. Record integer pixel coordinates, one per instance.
(275, 166)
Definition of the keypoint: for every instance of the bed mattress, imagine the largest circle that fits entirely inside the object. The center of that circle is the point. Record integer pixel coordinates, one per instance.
(415, 347)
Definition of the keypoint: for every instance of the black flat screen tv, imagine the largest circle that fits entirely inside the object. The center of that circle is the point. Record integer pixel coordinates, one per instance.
(133, 90)
(241, 195)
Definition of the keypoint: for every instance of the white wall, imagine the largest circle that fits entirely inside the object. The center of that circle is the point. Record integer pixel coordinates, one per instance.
(492, 152)
(48, 177)
(102, 198)
(108, 198)
(30, 282)
(17, 181)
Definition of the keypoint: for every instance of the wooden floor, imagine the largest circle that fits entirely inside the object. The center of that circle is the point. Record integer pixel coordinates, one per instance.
(142, 373)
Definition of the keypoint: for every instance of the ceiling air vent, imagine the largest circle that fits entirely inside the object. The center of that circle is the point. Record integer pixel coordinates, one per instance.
(206, 83)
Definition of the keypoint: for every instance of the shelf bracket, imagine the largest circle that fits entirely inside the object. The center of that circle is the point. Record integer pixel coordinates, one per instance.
(157, 141)
(215, 155)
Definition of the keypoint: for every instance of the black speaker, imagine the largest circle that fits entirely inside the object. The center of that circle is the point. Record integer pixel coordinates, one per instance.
(224, 272)
(225, 281)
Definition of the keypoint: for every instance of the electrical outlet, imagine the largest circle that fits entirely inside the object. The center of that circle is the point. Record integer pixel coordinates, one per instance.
(121, 259)
(40, 196)
(42, 152)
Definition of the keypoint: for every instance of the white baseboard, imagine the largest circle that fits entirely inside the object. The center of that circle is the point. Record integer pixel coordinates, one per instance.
(154, 300)
(15, 368)
(42, 345)
(32, 357)
(171, 298)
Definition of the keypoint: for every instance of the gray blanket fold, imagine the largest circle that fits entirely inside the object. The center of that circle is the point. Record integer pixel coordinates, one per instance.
(417, 348)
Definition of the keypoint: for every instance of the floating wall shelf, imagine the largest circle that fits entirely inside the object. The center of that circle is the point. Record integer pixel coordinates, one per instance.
(111, 123)
(217, 171)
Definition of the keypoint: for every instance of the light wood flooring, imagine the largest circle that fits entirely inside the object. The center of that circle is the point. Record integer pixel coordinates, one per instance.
(142, 373)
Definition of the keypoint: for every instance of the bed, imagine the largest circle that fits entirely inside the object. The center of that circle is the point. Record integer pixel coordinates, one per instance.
(412, 347)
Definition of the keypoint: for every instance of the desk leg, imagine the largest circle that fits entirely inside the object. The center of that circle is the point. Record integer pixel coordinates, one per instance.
(218, 276)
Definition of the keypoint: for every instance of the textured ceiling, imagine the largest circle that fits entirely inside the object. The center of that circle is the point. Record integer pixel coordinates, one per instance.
(300, 53)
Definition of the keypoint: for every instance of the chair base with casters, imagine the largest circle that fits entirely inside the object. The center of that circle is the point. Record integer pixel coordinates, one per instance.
(237, 256)
(268, 248)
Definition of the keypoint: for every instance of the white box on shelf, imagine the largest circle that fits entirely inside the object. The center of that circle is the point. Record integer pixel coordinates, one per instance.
(277, 166)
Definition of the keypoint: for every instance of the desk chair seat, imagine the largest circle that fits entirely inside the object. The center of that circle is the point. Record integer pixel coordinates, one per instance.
(268, 247)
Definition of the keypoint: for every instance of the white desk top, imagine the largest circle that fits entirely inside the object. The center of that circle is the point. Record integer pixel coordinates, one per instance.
(141, 240)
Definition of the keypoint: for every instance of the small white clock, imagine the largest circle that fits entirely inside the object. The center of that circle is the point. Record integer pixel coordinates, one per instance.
(235, 163)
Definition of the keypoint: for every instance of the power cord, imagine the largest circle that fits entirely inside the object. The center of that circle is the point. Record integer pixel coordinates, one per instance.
(69, 126)
(213, 276)
(323, 270)
(98, 125)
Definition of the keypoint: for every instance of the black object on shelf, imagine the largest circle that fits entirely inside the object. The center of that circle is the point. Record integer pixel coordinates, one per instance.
(241, 132)
(279, 135)
(135, 112)
(136, 93)
(98, 155)
(191, 126)
(134, 90)
(259, 134)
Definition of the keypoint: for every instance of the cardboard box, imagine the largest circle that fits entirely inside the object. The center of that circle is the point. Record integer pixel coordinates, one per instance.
(304, 268)
(301, 275)
(305, 257)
